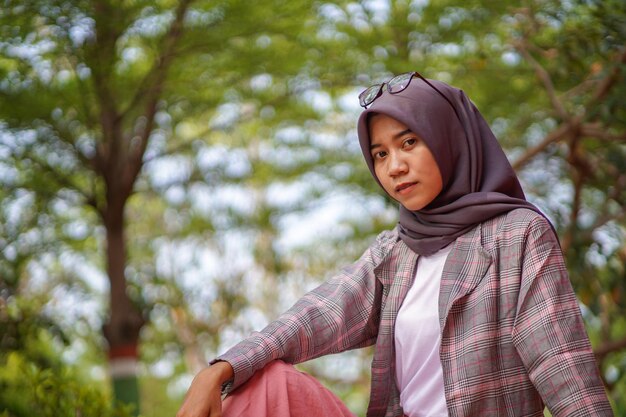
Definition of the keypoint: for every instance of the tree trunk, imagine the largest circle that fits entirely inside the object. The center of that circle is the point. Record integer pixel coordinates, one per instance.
(125, 320)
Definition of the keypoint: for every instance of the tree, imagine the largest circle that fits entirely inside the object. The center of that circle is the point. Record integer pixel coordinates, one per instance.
(95, 89)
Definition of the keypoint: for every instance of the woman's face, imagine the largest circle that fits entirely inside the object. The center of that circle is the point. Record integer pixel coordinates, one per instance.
(403, 163)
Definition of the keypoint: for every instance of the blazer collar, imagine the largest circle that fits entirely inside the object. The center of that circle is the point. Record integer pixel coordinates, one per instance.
(465, 267)
(468, 247)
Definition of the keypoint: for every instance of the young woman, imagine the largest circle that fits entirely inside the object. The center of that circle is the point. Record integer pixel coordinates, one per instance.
(467, 300)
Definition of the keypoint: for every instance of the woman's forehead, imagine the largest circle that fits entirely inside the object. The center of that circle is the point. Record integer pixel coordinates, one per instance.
(382, 126)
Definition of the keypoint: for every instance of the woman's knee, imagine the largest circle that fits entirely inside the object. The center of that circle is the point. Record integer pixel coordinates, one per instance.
(278, 390)
(276, 367)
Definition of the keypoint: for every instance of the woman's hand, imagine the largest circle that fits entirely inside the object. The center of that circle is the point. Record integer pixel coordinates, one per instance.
(204, 397)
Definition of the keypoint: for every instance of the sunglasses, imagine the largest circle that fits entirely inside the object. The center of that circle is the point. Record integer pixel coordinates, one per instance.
(396, 85)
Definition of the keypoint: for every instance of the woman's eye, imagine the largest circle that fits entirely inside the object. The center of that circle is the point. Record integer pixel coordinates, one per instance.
(380, 155)
(410, 142)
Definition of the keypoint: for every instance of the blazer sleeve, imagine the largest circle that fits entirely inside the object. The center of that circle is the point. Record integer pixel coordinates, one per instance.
(341, 314)
(549, 332)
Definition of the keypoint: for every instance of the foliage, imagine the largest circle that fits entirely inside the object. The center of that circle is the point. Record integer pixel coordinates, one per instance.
(94, 90)
(34, 380)
(28, 390)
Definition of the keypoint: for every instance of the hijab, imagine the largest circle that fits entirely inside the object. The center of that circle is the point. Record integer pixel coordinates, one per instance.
(478, 180)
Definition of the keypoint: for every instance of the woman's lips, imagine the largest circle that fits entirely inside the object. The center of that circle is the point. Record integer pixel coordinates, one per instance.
(405, 187)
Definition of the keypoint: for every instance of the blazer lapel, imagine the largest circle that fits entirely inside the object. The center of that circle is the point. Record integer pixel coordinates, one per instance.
(465, 267)
(396, 275)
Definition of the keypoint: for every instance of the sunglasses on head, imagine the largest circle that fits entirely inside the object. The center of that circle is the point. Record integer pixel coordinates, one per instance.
(395, 85)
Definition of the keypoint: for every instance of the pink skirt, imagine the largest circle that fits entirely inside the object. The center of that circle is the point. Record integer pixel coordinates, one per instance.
(280, 390)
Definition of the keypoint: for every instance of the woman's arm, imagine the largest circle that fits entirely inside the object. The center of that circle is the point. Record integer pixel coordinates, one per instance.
(549, 332)
(339, 315)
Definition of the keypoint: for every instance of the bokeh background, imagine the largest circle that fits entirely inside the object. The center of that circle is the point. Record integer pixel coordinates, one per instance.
(175, 173)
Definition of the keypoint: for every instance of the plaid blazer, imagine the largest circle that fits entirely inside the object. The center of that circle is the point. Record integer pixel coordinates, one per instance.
(512, 335)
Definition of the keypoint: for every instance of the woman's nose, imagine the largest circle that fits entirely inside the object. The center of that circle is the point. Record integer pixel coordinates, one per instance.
(397, 165)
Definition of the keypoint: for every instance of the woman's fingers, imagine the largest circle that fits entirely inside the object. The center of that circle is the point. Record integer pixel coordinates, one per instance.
(204, 397)
(201, 404)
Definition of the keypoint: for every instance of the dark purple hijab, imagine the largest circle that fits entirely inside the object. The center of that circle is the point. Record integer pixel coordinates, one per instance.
(478, 180)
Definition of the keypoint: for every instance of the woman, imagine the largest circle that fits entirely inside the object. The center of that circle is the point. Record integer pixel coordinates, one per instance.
(467, 300)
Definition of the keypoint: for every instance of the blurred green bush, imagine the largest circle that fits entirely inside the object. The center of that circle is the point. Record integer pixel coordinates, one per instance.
(34, 380)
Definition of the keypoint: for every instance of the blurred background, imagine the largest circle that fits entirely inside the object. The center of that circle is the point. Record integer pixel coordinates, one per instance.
(175, 173)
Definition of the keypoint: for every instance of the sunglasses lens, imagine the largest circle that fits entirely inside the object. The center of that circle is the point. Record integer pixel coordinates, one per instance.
(369, 95)
(399, 82)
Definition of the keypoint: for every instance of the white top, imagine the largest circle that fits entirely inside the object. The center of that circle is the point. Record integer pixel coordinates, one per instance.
(417, 338)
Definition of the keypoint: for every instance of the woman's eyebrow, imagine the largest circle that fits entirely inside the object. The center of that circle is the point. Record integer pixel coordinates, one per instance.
(400, 134)
(396, 136)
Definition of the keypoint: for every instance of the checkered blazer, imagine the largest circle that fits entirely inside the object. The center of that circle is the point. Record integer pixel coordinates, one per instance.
(512, 336)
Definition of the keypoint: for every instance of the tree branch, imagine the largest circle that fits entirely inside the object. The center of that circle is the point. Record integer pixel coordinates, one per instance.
(603, 350)
(150, 85)
(64, 180)
(596, 131)
(583, 171)
(610, 80)
(153, 93)
(544, 77)
(101, 56)
(615, 195)
(555, 136)
(84, 96)
(187, 337)
(65, 136)
(579, 176)
(173, 150)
